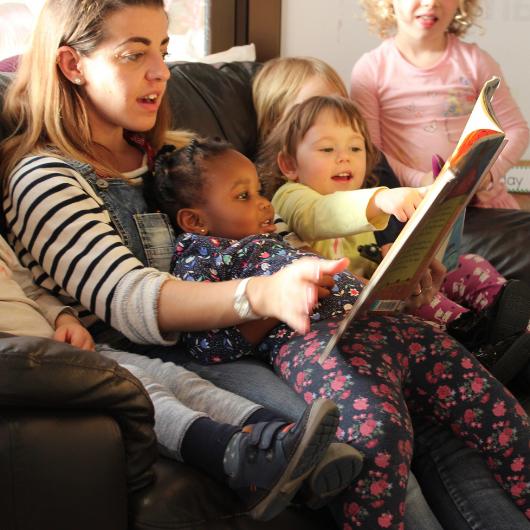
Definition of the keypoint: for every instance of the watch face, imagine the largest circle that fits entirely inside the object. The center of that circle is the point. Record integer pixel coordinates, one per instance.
(241, 307)
(241, 304)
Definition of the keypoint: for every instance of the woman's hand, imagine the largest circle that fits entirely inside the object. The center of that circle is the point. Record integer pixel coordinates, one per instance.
(428, 285)
(291, 294)
(400, 202)
(68, 329)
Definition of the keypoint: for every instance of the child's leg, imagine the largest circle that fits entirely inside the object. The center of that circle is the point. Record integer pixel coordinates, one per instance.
(220, 448)
(265, 463)
(447, 383)
(475, 283)
(440, 310)
(191, 390)
(365, 381)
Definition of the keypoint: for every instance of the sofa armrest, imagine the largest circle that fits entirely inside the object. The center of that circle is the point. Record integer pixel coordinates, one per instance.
(40, 375)
(62, 471)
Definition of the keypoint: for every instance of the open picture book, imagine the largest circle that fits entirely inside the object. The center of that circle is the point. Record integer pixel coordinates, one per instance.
(430, 225)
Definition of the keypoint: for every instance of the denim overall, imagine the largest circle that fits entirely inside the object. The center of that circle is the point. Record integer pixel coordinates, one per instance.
(149, 236)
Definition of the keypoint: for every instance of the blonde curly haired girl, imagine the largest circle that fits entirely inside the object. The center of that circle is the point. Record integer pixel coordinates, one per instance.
(381, 17)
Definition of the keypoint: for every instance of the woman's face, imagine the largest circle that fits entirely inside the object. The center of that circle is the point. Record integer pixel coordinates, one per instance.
(125, 77)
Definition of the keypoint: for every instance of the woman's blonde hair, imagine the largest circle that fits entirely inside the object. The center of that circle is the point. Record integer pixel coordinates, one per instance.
(382, 19)
(279, 81)
(291, 130)
(42, 107)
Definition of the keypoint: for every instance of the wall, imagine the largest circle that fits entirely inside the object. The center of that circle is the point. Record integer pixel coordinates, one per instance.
(334, 31)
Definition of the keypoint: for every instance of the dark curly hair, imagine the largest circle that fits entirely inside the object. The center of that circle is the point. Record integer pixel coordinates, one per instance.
(179, 176)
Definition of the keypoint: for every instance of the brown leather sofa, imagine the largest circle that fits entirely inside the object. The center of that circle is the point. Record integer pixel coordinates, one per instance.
(77, 449)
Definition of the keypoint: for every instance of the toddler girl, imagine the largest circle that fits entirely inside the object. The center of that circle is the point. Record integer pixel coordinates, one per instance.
(384, 369)
(417, 88)
(287, 81)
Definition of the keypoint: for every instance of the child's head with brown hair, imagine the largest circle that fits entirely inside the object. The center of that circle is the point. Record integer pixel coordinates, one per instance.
(286, 81)
(324, 144)
(381, 16)
(209, 188)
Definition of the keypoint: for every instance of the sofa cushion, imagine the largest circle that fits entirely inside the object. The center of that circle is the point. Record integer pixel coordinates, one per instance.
(215, 101)
(500, 236)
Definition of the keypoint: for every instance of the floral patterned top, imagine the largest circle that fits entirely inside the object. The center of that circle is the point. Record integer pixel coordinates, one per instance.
(205, 258)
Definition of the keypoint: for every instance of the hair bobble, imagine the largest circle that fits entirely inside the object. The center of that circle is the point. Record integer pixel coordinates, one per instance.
(191, 149)
(162, 159)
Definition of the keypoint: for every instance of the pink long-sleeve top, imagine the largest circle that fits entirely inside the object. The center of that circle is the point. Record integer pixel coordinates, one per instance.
(413, 113)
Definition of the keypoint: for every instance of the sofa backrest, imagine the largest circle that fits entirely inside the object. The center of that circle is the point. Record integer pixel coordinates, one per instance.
(213, 100)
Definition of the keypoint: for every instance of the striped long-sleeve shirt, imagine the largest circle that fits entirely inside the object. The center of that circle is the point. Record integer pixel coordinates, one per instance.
(62, 233)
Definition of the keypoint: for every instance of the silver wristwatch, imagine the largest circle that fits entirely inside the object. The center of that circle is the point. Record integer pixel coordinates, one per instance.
(241, 304)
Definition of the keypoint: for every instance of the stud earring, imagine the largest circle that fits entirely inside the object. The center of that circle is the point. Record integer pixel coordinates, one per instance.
(78, 80)
(203, 230)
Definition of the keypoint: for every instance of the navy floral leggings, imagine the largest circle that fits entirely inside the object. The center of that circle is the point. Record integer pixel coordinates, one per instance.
(384, 370)
(427, 374)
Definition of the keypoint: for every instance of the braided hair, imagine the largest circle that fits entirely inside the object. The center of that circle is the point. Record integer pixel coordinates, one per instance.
(180, 176)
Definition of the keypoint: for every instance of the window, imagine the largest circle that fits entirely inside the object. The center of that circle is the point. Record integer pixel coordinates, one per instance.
(196, 27)
(238, 22)
(16, 23)
(188, 35)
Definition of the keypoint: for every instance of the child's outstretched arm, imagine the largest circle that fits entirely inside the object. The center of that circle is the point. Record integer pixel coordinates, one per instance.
(400, 202)
(312, 216)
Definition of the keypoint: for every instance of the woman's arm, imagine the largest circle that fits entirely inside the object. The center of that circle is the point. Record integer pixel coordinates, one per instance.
(68, 242)
(64, 236)
(288, 295)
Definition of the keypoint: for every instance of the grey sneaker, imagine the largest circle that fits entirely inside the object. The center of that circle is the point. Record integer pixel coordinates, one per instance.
(337, 470)
(267, 462)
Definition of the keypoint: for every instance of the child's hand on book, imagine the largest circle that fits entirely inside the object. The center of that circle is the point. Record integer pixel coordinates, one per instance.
(400, 202)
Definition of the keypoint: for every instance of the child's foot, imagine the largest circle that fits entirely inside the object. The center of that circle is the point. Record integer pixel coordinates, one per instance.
(336, 471)
(267, 462)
